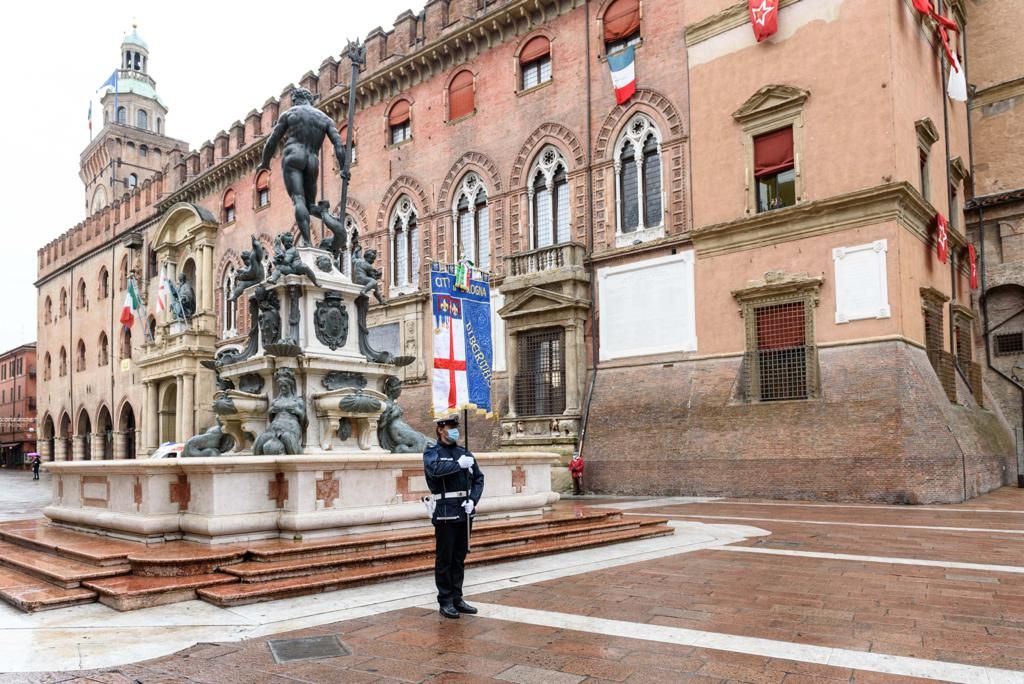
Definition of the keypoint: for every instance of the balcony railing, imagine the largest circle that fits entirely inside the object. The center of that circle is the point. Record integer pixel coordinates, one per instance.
(546, 259)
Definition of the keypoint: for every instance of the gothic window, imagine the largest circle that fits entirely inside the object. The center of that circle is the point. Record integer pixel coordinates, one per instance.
(63, 302)
(535, 63)
(262, 188)
(399, 122)
(405, 244)
(48, 309)
(47, 366)
(103, 289)
(80, 356)
(460, 95)
(62, 370)
(123, 280)
(126, 344)
(621, 25)
(142, 119)
(104, 351)
(80, 298)
(472, 223)
(143, 151)
(638, 173)
(229, 206)
(549, 200)
(540, 380)
(228, 307)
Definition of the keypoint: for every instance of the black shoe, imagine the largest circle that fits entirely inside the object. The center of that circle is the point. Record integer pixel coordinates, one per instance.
(449, 611)
(464, 607)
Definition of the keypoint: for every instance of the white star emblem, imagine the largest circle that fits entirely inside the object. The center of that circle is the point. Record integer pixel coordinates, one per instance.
(762, 12)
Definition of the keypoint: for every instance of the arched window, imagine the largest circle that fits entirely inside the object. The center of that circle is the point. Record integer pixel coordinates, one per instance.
(638, 176)
(103, 284)
(80, 297)
(132, 181)
(142, 119)
(80, 356)
(63, 302)
(103, 354)
(126, 343)
(405, 256)
(472, 222)
(228, 307)
(62, 370)
(123, 280)
(47, 366)
(143, 151)
(535, 63)
(48, 309)
(621, 25)
(399, 122)
(460, 95)
(549, 200)
(159, 125)
(229, 206)
(262, 188)
(122, 115)
(99, 199)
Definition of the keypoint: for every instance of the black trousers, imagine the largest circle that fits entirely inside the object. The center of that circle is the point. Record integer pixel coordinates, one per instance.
(450, 560)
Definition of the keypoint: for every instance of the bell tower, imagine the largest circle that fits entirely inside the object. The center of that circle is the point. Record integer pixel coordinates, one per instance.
(132, 144)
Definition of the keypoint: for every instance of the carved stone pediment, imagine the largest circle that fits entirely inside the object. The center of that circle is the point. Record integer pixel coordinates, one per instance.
(536, 300)
(771, 100)
(779, 284)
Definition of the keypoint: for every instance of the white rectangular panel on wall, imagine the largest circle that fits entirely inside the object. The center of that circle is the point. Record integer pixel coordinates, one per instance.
(648, 307)
(498, 331)
(861, 287)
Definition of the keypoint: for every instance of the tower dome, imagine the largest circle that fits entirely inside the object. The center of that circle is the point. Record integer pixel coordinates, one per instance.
(134, 52)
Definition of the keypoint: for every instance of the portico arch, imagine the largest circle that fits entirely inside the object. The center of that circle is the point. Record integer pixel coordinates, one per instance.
(82, 450)
(103, 437)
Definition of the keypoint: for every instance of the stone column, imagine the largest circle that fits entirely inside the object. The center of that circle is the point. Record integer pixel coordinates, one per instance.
(119, 446)
(151, 418)
(188, 406)
(97, 446)
(140, 451)
(43, 447)
(60, 447)
(573, 373)
(512, 365)
(207, 277)
(77, 448)
(179, 411)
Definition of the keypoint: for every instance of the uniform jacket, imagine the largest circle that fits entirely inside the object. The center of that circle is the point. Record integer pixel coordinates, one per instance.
(441, 467)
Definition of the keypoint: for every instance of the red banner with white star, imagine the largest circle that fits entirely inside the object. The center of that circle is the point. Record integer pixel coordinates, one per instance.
(942, 237)
(764, 17)
(972, 261)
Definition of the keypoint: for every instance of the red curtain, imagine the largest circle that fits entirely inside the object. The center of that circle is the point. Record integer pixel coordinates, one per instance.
(460, 96)
(621, 20)
(229, 199)
(535, 49)
(399, 113)
(773, 152)
(263, 180)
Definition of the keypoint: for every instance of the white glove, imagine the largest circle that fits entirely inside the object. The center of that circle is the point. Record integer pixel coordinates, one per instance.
(466, 462)
(430, 504)
(468, 505)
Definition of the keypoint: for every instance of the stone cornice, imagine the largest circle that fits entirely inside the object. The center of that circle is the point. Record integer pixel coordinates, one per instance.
(726, 20)
(217, 177)
(891, 202)
(779, 284)
(998, 93)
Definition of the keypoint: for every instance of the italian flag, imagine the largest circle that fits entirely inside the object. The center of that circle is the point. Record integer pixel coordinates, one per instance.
(131, 307)
(622, 66)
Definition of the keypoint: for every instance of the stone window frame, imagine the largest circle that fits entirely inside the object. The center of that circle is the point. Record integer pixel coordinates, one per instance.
(771, 109)
(638, 137)
(402, 211)
(103, 349)
(958, 173)
(519, 88)
(548, 168)
(448, 119)
(927, 136)
(933, 303)
(470, 187)
(1018, 334)
(779, 288)
(963, 322)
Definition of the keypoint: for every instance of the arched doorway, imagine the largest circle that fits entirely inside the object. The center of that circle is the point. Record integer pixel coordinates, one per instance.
(126, 426)
(84, 435)
(105, 430)
(63, 444)
(168, 413)
(46, 435)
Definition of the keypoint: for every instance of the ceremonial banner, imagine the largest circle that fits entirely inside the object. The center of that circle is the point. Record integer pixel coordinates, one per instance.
(463, 348)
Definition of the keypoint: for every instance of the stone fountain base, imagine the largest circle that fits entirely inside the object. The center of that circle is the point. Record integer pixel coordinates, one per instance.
(244, 498)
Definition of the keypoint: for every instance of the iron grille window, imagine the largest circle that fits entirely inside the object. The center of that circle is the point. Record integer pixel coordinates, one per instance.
(933, 335)
(540, 382)
(963, 344)
(782, 351)
(1009, 343)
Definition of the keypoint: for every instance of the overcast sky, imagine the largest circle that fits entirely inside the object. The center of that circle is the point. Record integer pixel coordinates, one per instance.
(212, 61)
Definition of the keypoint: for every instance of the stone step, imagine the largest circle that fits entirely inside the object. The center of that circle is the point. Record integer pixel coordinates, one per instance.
(131, 592)
(86, 548)
(183, 559)
(62, 572)
(286, 549)
(264, 571)
(31, 594)
(253, 592)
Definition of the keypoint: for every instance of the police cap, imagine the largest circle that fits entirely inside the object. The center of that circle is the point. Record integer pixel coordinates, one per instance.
(448, 421)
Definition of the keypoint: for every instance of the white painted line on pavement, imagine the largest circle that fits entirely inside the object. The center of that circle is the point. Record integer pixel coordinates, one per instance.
(953, 565)
(698, 516)
(884, 507)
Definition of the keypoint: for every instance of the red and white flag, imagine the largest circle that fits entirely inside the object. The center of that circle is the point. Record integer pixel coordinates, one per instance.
(942, 237)
(623, 67)
(972, 261)
(764, 17)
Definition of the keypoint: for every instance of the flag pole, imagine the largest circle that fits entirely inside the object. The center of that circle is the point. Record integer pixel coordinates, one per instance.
(357, 55)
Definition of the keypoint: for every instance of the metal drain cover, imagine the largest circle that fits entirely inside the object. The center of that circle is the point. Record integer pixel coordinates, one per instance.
(307, 648)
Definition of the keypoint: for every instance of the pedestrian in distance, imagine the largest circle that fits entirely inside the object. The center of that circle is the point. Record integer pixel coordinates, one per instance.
(35, 467)
(456, 484)
(576, 470)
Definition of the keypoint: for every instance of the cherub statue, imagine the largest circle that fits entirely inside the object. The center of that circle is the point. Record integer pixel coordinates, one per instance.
(363, 271)
(288, 261)
(287, 419)
(209, 444)
(253, 272)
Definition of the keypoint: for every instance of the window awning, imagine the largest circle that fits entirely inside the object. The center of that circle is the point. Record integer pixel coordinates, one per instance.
(535, 49)
(621, 20)
(399, 113)
(773, 152)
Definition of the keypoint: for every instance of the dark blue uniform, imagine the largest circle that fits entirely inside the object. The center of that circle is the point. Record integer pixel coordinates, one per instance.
(451, 486)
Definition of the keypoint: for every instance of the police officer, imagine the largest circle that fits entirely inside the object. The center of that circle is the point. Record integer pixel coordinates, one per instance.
(456, 484)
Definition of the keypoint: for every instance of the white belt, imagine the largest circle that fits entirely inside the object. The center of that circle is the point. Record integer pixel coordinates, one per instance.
(449, 495)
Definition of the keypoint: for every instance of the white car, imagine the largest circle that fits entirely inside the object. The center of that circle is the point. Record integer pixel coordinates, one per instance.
(169, 450)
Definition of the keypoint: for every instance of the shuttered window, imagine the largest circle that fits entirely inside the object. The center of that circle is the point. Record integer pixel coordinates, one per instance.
(460, 96)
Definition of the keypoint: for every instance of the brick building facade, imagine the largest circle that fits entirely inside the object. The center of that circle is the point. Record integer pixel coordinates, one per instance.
(726, 285)
(17, 405)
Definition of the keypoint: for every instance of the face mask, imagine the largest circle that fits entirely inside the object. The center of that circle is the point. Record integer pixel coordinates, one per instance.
(453, 434)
